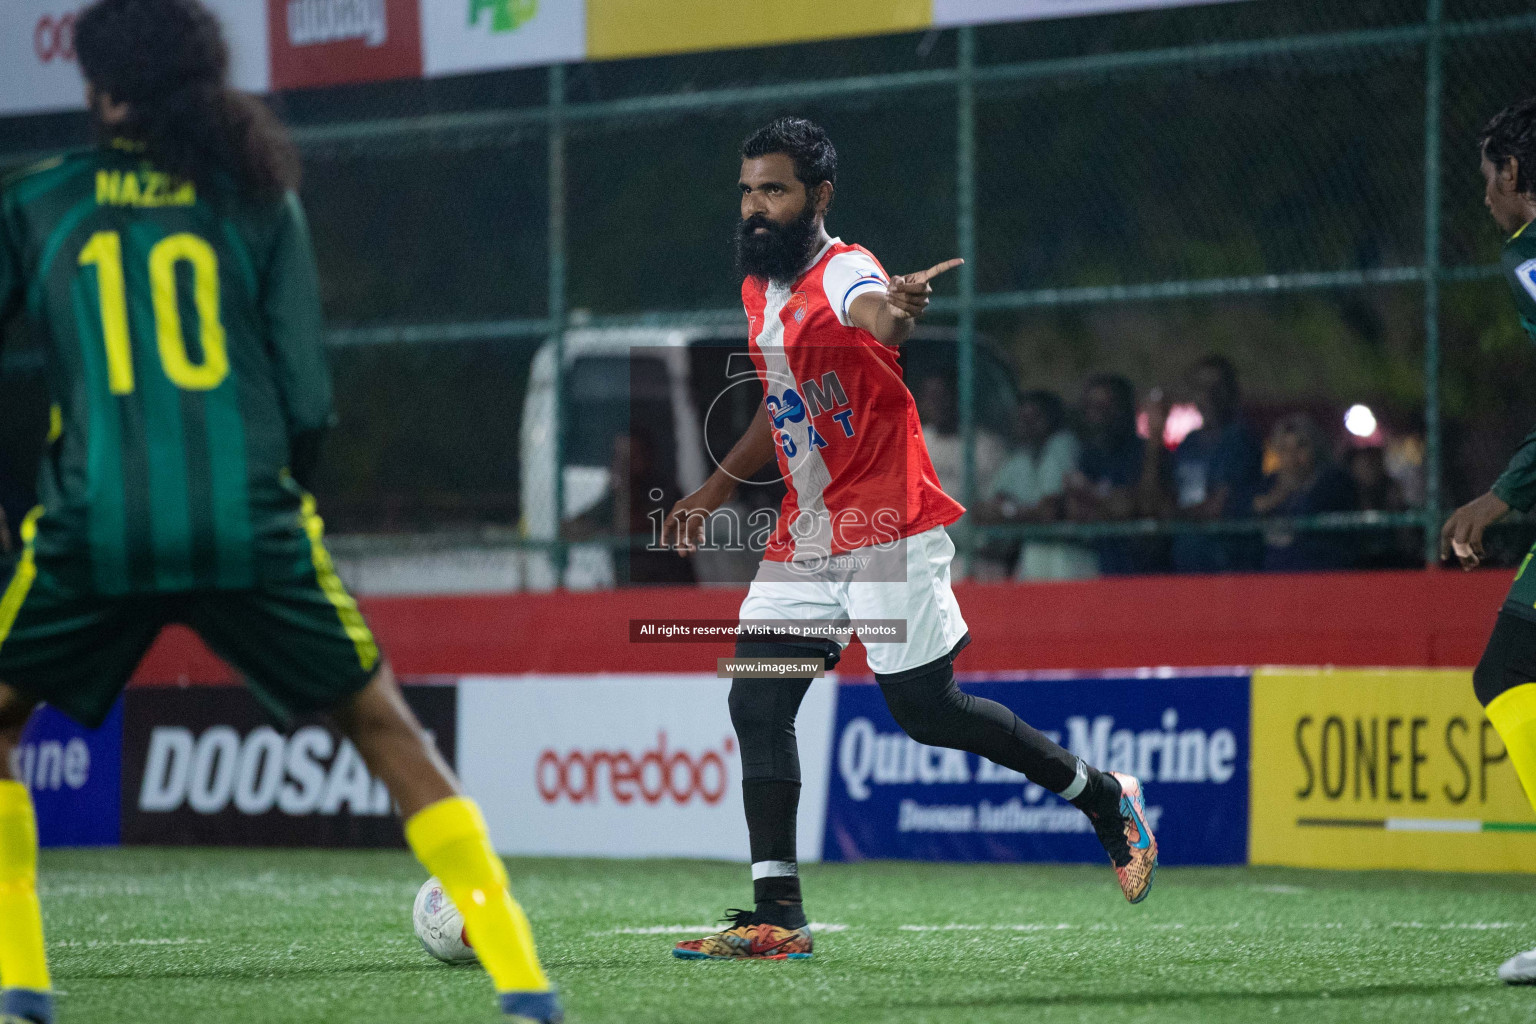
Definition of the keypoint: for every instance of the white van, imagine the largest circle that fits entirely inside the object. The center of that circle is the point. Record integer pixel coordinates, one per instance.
(673, 386)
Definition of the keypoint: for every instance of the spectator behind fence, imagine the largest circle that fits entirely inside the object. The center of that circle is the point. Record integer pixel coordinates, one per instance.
(1030, 487)
(1306, 482)
(1213, 475)
(940, 415)
(1377, 491)
(1109, 470)
(641, 482)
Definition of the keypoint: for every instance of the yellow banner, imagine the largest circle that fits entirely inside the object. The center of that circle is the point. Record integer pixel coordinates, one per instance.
(634, 28)
(1382, 768)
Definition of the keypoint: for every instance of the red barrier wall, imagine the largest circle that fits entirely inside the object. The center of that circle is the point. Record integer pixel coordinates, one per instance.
(1427, 619)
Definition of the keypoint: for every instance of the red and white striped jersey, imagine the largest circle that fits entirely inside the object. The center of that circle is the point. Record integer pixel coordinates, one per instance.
(849, 443)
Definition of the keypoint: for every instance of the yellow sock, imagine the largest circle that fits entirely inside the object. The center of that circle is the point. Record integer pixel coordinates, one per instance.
(23, 963)
(450, 839)
(1513, 713)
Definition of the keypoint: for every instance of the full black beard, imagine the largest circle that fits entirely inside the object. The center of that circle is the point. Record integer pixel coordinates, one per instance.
(780, 254)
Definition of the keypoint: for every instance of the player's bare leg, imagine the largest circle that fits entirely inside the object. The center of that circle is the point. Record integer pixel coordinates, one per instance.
(28, 991)
(395, 746)
(448, 835)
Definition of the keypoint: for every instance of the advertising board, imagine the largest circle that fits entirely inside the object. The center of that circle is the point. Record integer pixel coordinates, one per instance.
(1184, 736)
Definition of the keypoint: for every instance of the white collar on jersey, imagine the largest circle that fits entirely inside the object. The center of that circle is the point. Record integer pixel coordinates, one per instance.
(819, 254)
(814, 260)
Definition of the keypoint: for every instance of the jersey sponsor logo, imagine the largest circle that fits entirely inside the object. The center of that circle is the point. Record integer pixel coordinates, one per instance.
(302, 774)
(1525, 273)
(797, 306)
(825, 395)
(329, 42)
(785, 408)
(652, 776)
(504, 15)
(53, 38)
(820, 397)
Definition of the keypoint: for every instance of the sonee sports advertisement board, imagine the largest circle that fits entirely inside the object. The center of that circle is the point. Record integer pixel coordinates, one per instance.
(1383, 768)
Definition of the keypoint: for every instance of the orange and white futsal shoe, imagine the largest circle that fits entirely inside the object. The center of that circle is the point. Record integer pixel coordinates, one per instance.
(1129, 841)
(747, 941)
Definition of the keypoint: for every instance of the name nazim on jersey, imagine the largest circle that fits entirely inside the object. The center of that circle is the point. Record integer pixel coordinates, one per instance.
(143, 189)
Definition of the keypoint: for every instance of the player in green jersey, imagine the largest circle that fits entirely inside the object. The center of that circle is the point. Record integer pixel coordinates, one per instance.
(169, 275)
(1505, 678)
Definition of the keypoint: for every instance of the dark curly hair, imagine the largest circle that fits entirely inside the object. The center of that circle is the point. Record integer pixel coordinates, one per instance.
(167, 60)
(805, 142)
(1512, 133)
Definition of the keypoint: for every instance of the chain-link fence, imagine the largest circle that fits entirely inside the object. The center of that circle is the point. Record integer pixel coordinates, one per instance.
(1292, 185)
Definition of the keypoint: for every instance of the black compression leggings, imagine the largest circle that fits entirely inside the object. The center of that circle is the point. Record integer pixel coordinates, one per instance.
(925, 702)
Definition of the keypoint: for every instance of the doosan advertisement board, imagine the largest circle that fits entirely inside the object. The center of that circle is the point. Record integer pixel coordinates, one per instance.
(204, 765)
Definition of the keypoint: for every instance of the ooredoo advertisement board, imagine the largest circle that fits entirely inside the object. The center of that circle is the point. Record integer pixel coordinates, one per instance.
(622, 765)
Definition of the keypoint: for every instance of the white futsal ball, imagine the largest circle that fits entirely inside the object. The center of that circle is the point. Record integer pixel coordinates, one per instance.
(440, 926)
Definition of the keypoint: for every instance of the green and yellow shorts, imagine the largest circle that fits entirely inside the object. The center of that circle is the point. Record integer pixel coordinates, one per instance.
(297, 636)
(1521, 599)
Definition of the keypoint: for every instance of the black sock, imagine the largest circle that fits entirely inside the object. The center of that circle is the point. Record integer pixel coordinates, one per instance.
(783, 915)
(1100, 797)
(772, 806)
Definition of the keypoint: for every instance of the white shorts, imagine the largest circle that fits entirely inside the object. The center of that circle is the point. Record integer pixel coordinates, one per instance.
(919, 597)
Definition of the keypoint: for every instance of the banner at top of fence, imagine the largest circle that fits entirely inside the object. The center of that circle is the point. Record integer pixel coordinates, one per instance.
(289, 44)
(37, 52)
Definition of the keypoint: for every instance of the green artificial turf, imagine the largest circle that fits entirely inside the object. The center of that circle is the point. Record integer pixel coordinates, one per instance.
(213, 936)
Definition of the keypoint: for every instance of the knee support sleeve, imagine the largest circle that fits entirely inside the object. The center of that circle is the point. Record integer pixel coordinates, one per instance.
(763, 713)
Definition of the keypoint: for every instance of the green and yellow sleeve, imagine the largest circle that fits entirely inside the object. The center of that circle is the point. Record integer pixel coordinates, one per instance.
(291, 303)
(295, 329)
(1517, 485)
